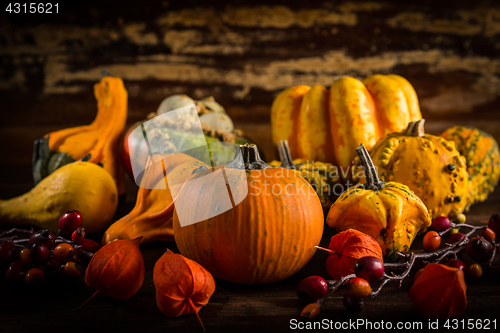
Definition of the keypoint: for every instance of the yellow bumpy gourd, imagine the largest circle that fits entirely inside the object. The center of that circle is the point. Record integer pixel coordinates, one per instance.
(429, 165)
(389, 212)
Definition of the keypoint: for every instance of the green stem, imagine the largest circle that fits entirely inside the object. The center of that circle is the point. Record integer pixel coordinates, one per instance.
(372, 181)
(285, 157)
(248, 158)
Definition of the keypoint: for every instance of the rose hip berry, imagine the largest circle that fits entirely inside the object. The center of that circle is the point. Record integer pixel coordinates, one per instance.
(312, 288)
(431, 241)
(488, 234)
(16, 271)
(457, 263)
(369, 268)
(63, 253)
(311, 311)
(78, 235)
(441, 223)
(53, 264)
(475, 270)
(73, 269)
(25, 256)
(494, 223)
(455, 238)
(90, 245)
(479, 249)
(69, 222)
(44, 237)
(353, 304)
(39, 254)
(360, 288)
(8, 252)
(34, 277)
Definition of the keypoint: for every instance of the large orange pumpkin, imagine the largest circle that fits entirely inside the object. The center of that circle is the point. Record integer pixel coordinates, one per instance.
(314, 120)
(267, 237)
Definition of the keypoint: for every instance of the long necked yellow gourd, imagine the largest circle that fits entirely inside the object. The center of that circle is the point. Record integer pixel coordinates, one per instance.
(82, 186)
(151, 218)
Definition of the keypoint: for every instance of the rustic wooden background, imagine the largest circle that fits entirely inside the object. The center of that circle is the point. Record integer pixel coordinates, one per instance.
(243, 54)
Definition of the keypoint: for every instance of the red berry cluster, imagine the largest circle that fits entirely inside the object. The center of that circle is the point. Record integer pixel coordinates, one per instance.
(481, 250)
(31, 259)
(314, 289)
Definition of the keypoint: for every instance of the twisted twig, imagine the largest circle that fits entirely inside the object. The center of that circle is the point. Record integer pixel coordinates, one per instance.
(16, 230)
(410, 258)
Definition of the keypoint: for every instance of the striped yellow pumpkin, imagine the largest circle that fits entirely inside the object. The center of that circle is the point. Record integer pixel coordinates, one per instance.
(328, 124)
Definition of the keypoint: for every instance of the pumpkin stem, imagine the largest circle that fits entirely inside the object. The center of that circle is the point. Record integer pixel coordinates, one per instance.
(249, 158)
(285, 157)
(415, 128)
(372, 181)
(196, 313)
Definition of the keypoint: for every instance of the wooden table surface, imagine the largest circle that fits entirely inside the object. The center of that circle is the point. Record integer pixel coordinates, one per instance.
(233, 307)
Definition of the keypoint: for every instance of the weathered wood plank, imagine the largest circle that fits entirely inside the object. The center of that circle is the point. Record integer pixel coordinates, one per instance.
(244, 54)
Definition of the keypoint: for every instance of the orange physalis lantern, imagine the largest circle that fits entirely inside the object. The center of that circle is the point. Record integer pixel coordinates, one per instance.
(348, 247)
(117, 269)
(182, 285)
(439, 292)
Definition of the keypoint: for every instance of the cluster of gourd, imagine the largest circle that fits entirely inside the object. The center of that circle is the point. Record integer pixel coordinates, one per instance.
(168, 134)
(426, 176)
(268, 236)
(79, 169)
